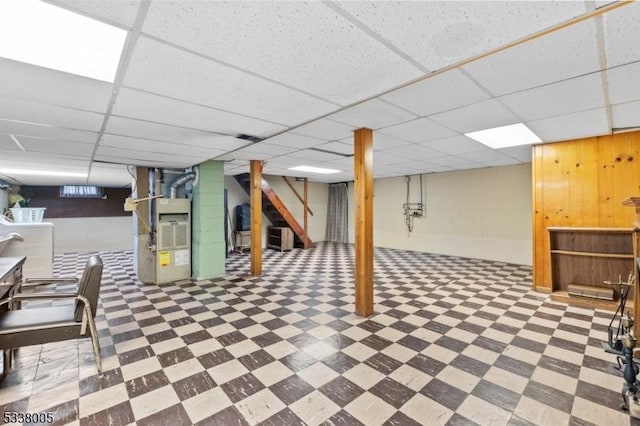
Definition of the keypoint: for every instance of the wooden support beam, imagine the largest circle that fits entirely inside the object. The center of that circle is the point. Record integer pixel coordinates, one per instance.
(363, 170)
(306, 206)
(255, 198)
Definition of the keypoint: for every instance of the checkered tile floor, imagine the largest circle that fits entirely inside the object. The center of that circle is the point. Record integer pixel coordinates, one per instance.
(453, 341)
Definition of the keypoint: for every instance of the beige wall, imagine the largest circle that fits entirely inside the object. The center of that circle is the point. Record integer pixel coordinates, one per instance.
(480, 213)
(83, 234)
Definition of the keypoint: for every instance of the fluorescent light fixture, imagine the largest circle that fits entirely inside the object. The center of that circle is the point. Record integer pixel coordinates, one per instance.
(49, 36)
(505, 136)
(26, 172)
(310, 169)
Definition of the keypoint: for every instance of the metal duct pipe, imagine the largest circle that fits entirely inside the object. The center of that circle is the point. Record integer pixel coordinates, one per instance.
(181, 181)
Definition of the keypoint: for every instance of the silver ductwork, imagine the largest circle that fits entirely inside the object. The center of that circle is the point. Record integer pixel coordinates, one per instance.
(181, 181)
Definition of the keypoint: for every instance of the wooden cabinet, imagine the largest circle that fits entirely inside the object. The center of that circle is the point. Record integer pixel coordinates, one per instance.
(583, 258)
(280, 238)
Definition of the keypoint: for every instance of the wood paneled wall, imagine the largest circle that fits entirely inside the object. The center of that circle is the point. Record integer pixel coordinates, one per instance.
(581, 183)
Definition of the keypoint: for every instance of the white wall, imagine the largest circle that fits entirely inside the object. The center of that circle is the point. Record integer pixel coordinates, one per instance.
(480, 213)
(317, 200)
(80, 234)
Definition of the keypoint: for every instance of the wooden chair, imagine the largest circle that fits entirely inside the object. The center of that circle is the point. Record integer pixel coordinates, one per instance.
(35, 326)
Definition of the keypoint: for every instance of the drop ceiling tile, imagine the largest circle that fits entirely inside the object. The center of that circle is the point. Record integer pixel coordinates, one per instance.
(276, 165)
(7, 144)
(571, 126)
(489, 158)
(165, 70)
(342, 163)
(311, 155)
(179, 136)
(262, 37)
(387, 158)
(521, 153)
(160, 109)
(56, 146)
(270, 148)
(151, 146)
(19, 128)
(372, 114)
(32, 112)
(381, 141)
(415, 152)
(565, 97)
(339, 147)
(438, 34)
(229, 167)
(325, 129)
(46, 86)
(626, 115)
(566, 53)
(295, 141)
(21, 159)
(455, 145)
(243, 155)
(620, 27)
(456, 163)
(171, 164)
(415, 167)
(419, 130)
(130, 156)
(442, 92)
(624, 84)
(120, 12)
(265, 148)
(109, 175)
(480, 116)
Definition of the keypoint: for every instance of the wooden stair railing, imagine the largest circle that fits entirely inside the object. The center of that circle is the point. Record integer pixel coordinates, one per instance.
(276, 211)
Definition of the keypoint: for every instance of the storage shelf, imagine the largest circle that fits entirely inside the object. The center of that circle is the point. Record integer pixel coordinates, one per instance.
(589, 256)
(598, 230)
(279, 238)
(587, 302)
(592, 254)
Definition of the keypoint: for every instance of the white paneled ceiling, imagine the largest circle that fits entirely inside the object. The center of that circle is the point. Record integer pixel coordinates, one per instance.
(441, 92)
(160, 109)
(197, 77)
(575, 94)
(438, 34)
(301, 45)
(571, 126)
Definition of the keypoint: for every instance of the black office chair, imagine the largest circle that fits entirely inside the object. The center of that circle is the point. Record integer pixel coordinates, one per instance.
(35, 326)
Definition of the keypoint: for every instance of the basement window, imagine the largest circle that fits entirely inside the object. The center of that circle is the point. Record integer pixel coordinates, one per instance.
(80, 191)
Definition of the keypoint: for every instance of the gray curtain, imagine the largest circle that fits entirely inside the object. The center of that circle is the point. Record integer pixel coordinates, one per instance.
(337, 214)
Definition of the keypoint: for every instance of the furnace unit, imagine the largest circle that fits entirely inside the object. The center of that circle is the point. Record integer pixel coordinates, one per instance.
(173, 239)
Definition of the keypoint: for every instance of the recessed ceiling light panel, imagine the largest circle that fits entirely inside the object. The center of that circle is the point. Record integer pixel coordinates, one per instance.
(505, 136)
(49, 36)
(310, 169)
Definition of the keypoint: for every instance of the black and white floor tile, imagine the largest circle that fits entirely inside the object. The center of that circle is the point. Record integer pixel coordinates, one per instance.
(453, 341)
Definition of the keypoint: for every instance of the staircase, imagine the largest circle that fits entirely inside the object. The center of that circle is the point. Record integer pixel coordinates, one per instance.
(277, 213)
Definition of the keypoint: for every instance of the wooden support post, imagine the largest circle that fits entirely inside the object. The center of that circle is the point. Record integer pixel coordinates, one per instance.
(306, 207)
(255, 198)
(363, 170)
